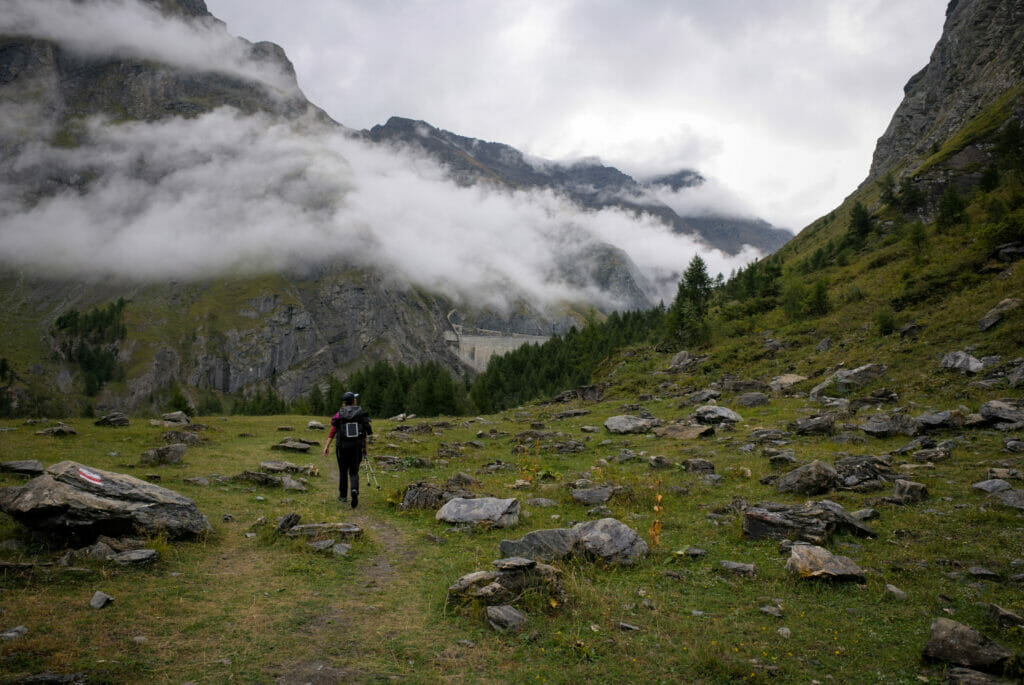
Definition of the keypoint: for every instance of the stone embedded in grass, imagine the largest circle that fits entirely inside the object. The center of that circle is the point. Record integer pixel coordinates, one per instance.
(277, 466)
(134, 557)
(846, 380)
(343, 530)
(500, 513)
(1003, 414)
(907, 492)
(1004, 618)
(321, 545)
(821, 424)
(315, 426)
(184, 437)
(955, 643)
(505, 618)
(593, 496)
(771, 610)
(864, 472)
(698, 465)
(625, 424)
(785, 382)
(100, 599)
(812, 561)
(995, 315)
(606, 539)
(740, 569)
(166, 455)
(13, 633)
(992, 485)
(684, 432)
(1010, 498)
(292, 445)
(61, 430)
(895, 592)
(752, 399)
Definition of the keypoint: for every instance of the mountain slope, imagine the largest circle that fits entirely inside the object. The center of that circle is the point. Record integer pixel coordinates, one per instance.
(589, 183)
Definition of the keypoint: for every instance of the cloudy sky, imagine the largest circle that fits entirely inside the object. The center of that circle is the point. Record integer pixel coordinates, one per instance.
(780, 101)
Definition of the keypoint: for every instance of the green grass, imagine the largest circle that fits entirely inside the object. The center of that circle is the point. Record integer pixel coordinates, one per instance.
(255, 609)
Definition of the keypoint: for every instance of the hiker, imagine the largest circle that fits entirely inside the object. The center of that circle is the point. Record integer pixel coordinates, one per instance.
(352, 425)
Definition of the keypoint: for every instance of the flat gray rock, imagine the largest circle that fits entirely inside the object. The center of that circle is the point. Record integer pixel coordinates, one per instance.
(962, 362)
(625, 424)
(505, 618)
(1011, 498)
(343, 530)
(845, 380)
(823, 424)
(116, 419)
(134, 557)
(813, 522)
(992, 485)
(551, 544)
(955, 643)
(740, 569)
(13, 633)
(24, 467)
(168, 454)
(593, 496)
(714, 414)
(500, 513)
(100, 599)
(811, 561)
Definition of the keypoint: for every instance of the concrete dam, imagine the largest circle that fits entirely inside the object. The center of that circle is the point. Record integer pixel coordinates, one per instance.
(476, 346)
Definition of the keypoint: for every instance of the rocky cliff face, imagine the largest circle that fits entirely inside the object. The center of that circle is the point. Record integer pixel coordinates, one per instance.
(588, 183)
(978, 60)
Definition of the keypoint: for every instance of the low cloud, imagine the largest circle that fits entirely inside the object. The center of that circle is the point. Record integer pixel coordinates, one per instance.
(128, 28)
(229, 193)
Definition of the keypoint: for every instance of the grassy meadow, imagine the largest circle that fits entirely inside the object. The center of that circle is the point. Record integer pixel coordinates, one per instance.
(232, 608)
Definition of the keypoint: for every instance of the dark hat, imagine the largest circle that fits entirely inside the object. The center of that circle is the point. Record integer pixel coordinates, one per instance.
(349, 396)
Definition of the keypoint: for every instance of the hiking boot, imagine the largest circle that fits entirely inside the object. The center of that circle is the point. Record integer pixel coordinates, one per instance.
(342, 498)
(355, 499)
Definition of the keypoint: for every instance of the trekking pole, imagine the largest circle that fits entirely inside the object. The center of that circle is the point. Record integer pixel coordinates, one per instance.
(369, 466)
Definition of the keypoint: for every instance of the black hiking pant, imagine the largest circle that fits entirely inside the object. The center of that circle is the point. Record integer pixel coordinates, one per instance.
(349, 458)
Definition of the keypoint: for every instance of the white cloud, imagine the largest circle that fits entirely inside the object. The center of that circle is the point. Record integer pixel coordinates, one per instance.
(231, 193)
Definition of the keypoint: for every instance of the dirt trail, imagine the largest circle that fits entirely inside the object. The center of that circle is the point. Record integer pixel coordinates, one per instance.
(353, 636)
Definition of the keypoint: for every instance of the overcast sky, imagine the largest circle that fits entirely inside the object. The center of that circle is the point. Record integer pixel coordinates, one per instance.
(780, 101)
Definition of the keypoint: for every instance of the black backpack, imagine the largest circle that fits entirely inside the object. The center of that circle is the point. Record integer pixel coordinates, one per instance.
(349, 424)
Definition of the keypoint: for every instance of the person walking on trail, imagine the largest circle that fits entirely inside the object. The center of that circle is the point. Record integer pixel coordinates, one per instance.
(351, 425)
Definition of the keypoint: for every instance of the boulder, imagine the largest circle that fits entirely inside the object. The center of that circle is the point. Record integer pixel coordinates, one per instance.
(715, 415)
(752, 399)
(996, 314)
(955, 643)
(962, 362)
(822, 424)
(810, 479)
(80, 503)
(422, 495)
(811, 561)
(992, 485)
(813, 522)
(939, 420)
(659, 462)
(907, 492)
(845, 380)
(739, 568)
(592, 496)
(698, 465)
(500, 513)
(683, 361)
(611, 541)
(134, 557)
(682, 432)
(113, 419)
(291, 445)
(161, 456)
(315, 426)
(782, 384)
(1002, 412)
(865, 472)
(176, 417)
(551, 544)
(505, 618)
(61, 430)
(275, 466)
(702, 396)
(23, 467)
(628, 424)
(1010, 498)
(183, 437)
